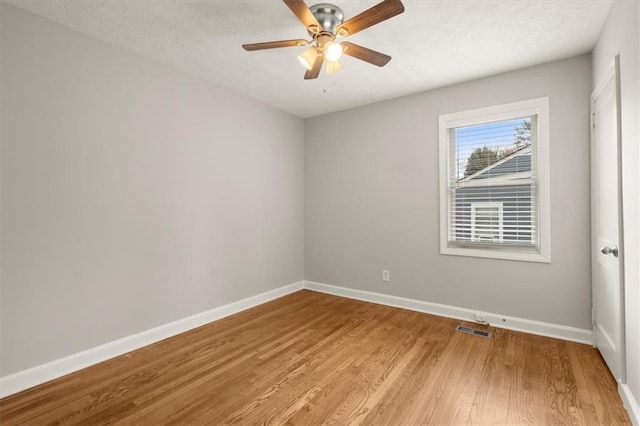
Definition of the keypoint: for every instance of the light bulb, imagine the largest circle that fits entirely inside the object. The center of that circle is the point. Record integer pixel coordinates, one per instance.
(333, 52)
(308, 57)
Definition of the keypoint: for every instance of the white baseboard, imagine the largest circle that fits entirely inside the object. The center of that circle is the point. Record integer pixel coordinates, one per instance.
(25, 379)
(496, 320)
(630, 403)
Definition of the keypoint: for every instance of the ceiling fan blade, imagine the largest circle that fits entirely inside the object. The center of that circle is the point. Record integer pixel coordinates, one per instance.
(372, 16)
(315, 69)
(364, 54)
(302, 11)
(274, 44)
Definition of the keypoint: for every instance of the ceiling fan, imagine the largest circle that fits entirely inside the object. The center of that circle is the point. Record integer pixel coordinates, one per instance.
(324, 24)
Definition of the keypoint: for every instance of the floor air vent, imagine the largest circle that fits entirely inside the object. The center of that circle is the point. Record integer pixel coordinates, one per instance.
(473, 331)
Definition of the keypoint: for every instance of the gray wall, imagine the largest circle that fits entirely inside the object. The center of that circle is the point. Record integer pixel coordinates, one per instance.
(620, 35)
(132, 195)
(371, 200)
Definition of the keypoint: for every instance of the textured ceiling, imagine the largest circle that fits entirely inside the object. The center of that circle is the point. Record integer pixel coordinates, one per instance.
(433, 43)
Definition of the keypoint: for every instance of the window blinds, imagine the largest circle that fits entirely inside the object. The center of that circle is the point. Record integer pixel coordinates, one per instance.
(492, 184)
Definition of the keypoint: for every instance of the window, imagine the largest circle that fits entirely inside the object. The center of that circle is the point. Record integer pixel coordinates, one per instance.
(494, 191)
(486, 222)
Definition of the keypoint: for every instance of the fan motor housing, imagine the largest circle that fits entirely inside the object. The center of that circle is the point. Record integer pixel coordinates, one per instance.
(328, 16)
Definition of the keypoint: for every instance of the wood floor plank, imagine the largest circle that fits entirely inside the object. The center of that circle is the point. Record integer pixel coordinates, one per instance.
(585, 400)
(408, 391)
(521, 400)
(310, 358)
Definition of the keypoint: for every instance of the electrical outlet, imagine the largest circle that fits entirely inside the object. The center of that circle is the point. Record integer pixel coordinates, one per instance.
(386, 275)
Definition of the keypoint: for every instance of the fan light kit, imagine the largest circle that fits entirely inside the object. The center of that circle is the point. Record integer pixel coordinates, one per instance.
(325, 22)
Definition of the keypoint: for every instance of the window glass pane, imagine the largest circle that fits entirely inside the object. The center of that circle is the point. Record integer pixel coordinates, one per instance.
(479, 146)
(492, 166)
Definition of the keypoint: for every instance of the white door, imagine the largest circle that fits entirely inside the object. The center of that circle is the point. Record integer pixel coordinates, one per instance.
(607, 260)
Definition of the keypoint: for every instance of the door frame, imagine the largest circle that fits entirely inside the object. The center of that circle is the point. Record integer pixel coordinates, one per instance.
(613, 73)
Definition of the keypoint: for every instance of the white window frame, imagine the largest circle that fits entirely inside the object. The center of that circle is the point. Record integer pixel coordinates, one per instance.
(538, 107)
(484, 205)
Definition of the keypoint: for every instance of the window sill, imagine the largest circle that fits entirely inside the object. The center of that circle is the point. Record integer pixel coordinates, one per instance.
(496, 254)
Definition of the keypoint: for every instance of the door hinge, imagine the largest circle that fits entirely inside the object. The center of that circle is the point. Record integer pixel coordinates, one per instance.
(593, 316)
(593, 120)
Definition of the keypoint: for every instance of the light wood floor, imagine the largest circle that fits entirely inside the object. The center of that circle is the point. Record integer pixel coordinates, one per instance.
(310, 358)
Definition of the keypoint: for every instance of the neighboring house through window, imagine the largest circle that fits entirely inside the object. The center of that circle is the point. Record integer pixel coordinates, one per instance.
(494, 191)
